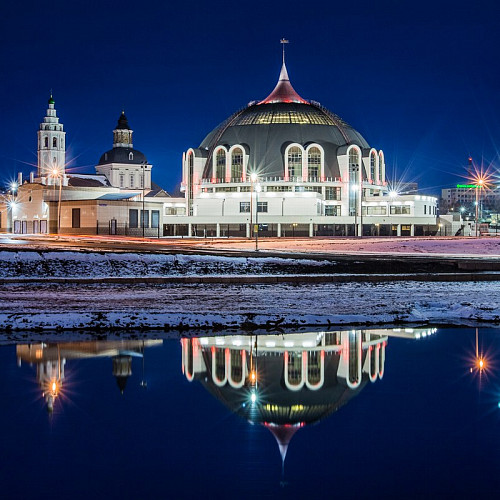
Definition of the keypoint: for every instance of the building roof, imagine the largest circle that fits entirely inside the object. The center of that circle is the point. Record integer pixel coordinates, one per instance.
(118, 196)
(122, 122)
(87, 180)
(267, 127)
(283, 92)
(122, 155)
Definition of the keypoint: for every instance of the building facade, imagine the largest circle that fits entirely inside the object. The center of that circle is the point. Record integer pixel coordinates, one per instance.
(293, 168)
(282, 166)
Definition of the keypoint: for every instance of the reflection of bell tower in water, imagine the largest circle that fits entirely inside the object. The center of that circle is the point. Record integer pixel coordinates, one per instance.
(50, 360)
(285, 382)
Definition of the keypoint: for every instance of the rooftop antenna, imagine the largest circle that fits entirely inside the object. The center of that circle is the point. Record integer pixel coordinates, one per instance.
(283, 41)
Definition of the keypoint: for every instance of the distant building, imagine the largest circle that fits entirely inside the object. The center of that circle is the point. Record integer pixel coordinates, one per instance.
(465, 197)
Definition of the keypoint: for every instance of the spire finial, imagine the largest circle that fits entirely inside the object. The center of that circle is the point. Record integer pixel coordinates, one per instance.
(283, 41)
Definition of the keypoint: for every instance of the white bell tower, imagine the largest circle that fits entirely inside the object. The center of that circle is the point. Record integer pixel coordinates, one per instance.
(51, 148)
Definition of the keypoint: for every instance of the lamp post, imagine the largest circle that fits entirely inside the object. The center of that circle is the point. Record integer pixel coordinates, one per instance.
(56, 174)
(354, 187)
(257, 190)
(143, 218)
(253, 179)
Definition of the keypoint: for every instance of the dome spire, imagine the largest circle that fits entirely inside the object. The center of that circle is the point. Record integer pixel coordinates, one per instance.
(283, 92)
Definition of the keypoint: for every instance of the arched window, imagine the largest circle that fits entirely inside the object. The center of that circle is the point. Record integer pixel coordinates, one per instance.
(46, 142)
(381, 168)
(295, 368)
(237, 164)
(294, 162)
(54, 142)
(354, 168)
(313, 164)
(220, 165)
(131, 156)
(373, 162)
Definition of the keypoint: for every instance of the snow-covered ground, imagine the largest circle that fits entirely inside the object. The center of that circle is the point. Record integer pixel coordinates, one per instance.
(437, 246)
(224, 307)
(19, 264)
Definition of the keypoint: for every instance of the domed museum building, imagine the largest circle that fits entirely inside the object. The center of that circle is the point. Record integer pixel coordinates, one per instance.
(290, 167)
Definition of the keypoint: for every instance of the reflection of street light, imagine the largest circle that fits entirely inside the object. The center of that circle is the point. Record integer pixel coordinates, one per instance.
(253, 179)
(440, 226)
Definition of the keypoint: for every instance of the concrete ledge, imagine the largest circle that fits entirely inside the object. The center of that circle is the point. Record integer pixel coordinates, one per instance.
(255, 279)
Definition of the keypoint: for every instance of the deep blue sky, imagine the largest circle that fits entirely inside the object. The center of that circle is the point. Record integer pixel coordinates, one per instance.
(419, 80)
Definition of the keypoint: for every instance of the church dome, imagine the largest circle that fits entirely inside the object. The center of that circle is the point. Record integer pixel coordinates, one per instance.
(265, 129)
(123, 155)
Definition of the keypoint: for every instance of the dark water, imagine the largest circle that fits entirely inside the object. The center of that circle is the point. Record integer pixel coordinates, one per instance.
(365, 414)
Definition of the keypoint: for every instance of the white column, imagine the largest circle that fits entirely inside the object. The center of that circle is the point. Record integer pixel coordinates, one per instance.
(399, 230)
(278, 232)
(217, 233)
(311, 230)
(248, 229)
(190, 230)
(412, 230)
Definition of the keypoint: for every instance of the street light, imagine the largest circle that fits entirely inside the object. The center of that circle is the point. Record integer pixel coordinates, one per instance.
(56, 174)
(253, 180)
(143, 165)
(257, 191)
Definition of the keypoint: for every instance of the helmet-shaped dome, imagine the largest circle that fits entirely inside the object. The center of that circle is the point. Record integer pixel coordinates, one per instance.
(266, 128)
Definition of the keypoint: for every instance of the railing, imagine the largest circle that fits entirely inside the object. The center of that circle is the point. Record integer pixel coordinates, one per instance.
(261, 180)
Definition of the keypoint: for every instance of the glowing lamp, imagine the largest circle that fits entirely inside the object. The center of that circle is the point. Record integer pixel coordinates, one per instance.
(253, 176)
(393, 194)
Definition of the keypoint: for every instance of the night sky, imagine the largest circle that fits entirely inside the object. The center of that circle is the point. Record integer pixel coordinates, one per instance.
(419, 80)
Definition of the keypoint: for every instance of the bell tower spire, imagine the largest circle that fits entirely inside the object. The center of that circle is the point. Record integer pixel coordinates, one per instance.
(122, 134)
(51, 146)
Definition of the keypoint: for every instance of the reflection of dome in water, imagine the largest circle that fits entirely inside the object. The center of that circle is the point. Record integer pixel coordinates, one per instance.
(295, 386)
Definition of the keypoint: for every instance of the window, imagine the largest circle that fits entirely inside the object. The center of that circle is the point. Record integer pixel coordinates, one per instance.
(400, 210)
(278, 189)
(332, 193)
(374, 210)
(122, 180)
(244, 207)
(262, 206)
(155, 218)
(131, 180)
(220, 165)
(373, 163)
(237, 164)
(294, 162)
(380, 167)
(332, 210)
(46, 142)
(131, 156)
(144, 218)
(425, 209)
(313, 164)
(75, 217)
(133, 218)
(54, 142)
